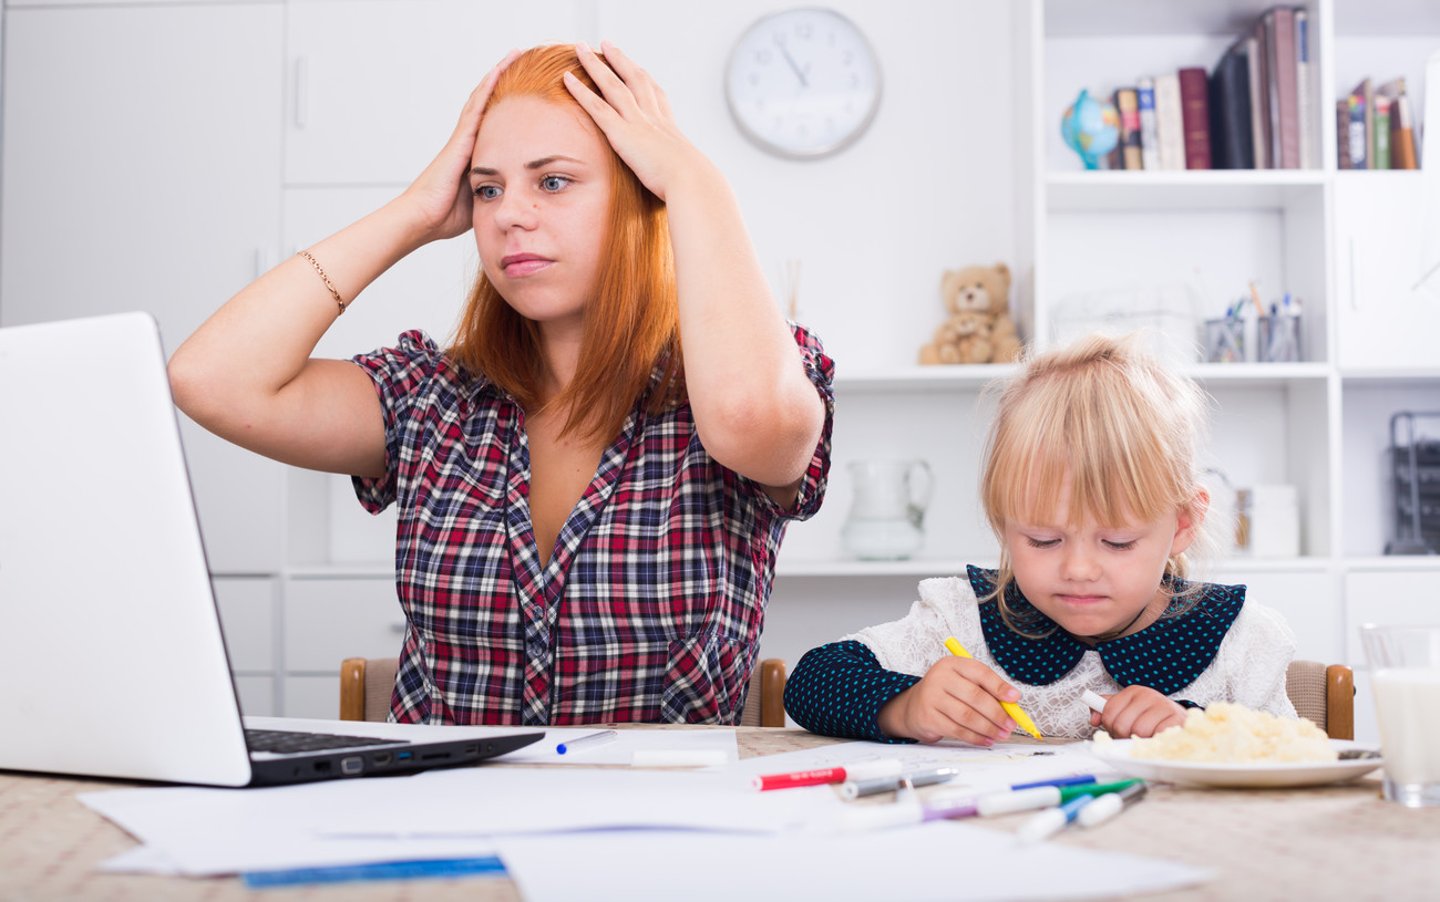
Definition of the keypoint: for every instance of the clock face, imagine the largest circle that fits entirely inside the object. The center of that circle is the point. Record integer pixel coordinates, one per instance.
(803, 83)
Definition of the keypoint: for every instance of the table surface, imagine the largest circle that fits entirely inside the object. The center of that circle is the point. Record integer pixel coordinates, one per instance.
(1332, 842)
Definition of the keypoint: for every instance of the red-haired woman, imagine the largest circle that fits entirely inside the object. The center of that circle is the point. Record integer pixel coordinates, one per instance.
(588, 518)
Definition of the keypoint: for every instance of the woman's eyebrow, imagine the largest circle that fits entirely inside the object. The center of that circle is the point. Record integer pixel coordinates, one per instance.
(533, 164)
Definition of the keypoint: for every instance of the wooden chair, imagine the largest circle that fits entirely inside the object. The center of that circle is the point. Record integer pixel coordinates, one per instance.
(366, 684)
(1325, 695)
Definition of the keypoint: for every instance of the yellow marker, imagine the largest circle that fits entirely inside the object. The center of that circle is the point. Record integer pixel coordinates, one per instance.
(1021, 718)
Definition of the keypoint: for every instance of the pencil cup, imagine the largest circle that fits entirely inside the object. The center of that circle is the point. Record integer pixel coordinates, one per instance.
(1405, 677)
(1225, 340)
(1278, 339)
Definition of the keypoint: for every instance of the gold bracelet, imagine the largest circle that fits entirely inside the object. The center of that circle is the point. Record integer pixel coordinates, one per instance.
(326, 279)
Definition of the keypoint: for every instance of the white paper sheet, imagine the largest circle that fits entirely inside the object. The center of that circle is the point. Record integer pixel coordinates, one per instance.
(220, 831)
(940, 860)
(627, 742)
(981, 769)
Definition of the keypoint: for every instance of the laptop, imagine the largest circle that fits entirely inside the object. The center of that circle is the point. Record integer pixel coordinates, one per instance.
(112, 660)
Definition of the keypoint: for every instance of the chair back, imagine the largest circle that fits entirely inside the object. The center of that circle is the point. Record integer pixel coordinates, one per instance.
(366, 685)
(1323, 694)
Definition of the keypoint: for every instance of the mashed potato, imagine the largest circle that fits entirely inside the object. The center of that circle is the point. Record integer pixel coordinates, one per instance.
(1226, 733)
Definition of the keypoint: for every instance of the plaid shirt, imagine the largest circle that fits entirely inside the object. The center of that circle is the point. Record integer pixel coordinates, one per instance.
(651, 605)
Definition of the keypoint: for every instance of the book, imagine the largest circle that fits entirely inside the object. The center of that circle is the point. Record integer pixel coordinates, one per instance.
(1342, 134)
(1259, 132)
(1127, 105)
(1304, 104)
(1358, 104)
(1149, 132)
(1402, 135)
(1280, 27)
(1265, 93)
(1169, 121)
(1195, 116)
(1380, 144)
(1230, 139)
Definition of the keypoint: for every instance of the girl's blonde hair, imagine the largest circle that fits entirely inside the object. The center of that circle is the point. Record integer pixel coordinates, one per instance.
(632, 320)
(1125, 432)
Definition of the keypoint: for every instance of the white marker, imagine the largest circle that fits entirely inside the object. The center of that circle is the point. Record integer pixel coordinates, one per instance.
(1094, 700)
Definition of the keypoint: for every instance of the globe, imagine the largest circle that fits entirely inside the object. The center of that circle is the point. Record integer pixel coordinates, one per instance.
(1091, 128)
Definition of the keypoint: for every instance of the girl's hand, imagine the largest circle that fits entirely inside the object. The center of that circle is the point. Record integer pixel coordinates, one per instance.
(958, 698)
(1137, 712)
(440, 197)
(634, 116)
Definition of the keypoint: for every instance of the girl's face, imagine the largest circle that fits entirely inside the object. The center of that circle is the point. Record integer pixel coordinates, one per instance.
(1094, 580)
(541, 179)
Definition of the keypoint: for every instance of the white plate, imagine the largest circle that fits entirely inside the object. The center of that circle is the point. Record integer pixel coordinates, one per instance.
(1204, 773)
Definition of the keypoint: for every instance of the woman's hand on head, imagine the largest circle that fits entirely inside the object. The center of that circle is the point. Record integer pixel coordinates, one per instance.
(958, 698)
(440, 197)
(1138, 712)
(634, 116)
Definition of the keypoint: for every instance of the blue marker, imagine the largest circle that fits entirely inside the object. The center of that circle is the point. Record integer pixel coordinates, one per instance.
(1051, 821)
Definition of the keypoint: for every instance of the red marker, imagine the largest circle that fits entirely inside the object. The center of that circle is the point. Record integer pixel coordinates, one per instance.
(860, 770)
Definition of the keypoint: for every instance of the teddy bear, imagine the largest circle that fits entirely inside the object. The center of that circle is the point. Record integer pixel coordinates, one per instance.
(979, 328)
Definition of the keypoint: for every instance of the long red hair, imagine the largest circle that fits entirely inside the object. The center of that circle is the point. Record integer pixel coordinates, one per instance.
(632, 322)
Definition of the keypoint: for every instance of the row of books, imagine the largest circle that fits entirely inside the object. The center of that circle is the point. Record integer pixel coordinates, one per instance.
(1253, 112)
(1374, 128)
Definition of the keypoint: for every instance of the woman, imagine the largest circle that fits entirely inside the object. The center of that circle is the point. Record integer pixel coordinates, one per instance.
(588, 518)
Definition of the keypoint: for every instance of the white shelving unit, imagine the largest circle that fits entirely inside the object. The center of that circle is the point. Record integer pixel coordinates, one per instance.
(140, 190)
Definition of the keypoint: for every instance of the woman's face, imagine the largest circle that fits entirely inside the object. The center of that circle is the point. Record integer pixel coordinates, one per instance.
(541, 178)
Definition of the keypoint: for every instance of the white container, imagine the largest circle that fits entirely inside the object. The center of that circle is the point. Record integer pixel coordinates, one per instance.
(1269, 521)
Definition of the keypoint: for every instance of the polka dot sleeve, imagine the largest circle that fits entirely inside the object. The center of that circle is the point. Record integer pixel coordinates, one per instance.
(839, 689)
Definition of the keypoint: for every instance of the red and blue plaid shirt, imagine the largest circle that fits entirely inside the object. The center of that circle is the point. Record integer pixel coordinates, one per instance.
(651, 605)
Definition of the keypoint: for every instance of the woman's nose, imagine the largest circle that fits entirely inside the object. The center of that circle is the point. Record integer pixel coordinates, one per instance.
(514, 210)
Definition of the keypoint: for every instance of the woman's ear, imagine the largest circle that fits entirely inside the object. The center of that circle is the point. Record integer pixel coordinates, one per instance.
(1189, 520)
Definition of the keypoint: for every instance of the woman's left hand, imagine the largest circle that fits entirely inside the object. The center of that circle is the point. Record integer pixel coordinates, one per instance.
(634, 116)
(1138, 712)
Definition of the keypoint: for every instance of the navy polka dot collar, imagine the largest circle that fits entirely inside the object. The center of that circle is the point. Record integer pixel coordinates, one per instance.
(1167, 655)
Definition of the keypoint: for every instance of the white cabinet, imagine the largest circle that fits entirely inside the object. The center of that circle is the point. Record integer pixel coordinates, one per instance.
(141, 171)
(374, 88)
(328, 620)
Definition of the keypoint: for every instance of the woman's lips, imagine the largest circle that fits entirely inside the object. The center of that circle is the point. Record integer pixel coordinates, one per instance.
(517, 265)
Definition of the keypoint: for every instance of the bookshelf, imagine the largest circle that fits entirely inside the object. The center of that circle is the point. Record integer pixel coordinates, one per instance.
(1345, 241)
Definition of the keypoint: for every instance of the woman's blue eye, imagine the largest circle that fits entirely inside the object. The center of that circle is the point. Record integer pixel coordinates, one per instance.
(554, 182)
(487, 192)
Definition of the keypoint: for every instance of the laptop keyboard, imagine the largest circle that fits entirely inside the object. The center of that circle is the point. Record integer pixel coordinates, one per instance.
(284, 741)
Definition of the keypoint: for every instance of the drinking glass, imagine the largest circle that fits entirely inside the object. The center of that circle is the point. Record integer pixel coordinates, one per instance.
(1405, 676)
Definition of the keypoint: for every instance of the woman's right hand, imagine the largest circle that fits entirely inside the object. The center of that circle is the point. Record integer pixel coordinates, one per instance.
(958, 698)
(440, 196)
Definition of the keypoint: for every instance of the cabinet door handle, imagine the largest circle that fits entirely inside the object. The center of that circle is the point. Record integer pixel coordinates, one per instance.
(1354, 296)
(302, 92)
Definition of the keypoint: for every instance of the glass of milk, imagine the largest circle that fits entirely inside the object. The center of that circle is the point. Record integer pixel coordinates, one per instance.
(1405, 675)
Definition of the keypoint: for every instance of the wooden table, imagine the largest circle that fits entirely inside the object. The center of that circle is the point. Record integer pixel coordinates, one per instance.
(1341, 842)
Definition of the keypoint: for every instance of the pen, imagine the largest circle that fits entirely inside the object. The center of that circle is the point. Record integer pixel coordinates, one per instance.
(997, 803)
(1094, 700)
(1048, 823)
(588, 741)
(856, 789)
(859, 770)
(1011, 708)
(1107, 806)
(872, 817)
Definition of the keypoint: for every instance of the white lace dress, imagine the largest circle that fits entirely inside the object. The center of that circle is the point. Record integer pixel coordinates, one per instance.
(1248, 669)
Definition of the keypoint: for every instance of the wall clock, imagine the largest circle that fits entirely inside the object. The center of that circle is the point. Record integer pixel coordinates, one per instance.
(803, 83)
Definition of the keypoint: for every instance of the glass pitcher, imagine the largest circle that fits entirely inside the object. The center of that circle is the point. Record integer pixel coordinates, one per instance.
(886, 521)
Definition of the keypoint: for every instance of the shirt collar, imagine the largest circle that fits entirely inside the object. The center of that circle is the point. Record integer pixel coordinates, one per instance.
(1167, 655)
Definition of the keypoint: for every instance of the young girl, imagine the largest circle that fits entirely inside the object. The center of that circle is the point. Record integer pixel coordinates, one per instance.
(1090, 486)
(588, 517)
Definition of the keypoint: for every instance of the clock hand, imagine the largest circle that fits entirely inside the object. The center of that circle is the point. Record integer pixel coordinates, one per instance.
(785, 52)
